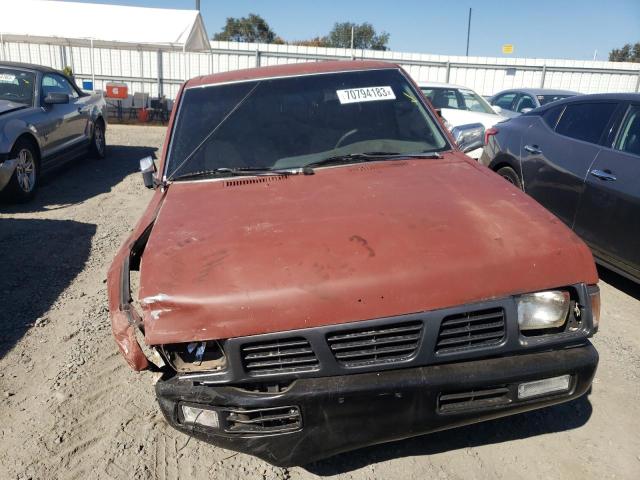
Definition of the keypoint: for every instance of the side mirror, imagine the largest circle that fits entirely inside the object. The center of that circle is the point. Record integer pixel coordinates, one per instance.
(497, 109)
(148, 170)
(55, 98)
(525, 110)
(469, 137)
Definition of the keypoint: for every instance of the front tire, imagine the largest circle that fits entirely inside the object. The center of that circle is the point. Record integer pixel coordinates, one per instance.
(98, 140)
(24, 182)
(510, 175)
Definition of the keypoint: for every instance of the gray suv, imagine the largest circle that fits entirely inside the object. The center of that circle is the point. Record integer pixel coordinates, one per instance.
(580, 158)
(45, 121)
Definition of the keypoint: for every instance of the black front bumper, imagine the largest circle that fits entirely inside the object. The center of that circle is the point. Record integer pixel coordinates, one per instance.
(351, 411)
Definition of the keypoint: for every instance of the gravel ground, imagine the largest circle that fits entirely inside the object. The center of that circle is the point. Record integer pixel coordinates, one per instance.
(71, 408)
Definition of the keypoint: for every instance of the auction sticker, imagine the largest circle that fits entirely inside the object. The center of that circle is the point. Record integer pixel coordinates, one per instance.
(7, 78)
(367, 94)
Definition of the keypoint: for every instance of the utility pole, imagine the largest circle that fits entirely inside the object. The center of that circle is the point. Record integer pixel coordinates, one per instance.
(198, 5)
(468, 31)
(353, 57)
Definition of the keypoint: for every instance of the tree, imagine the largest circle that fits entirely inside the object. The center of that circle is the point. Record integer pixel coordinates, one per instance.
(628, 53)
(252, 28)
(365, 36)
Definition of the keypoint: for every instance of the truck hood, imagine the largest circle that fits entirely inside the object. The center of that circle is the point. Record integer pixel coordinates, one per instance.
(251, 255)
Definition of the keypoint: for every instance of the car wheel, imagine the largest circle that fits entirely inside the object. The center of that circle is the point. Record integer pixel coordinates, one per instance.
(98, 141)
(510, 175)
(24, 182)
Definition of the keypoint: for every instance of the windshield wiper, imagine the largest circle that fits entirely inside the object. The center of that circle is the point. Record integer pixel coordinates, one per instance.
(370, 157)
(240, 171)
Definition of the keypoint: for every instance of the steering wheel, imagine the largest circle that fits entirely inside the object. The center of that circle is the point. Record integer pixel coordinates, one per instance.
(344, 137)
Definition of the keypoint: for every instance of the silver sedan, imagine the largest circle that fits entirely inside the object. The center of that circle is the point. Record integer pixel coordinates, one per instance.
(45, 121)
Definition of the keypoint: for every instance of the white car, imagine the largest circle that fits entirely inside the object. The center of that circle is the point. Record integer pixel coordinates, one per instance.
(461, 106)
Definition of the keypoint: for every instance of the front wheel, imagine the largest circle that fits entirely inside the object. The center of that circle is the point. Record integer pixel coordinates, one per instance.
(99, 142)
(510, 175)
(24, 182)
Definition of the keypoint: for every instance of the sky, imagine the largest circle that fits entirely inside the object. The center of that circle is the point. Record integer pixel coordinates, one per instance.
(536, 28)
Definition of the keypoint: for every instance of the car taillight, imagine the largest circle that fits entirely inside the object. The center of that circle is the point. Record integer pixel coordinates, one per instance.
(488, 133)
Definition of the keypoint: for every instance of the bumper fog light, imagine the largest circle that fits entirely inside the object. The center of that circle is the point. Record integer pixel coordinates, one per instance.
(200, 416)
(544, 387)
(543, 309)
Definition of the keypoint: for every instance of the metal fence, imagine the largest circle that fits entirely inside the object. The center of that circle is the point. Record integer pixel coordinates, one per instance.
(160, 72)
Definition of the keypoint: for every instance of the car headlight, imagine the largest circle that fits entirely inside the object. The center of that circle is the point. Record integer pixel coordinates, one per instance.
(543, 310)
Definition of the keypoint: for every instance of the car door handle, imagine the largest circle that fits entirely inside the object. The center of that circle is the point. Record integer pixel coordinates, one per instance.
(605, 175)
(533, 149)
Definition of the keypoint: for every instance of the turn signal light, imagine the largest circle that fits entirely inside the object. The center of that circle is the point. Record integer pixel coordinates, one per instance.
(594, 297)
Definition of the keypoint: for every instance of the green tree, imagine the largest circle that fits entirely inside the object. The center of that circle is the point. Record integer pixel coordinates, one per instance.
(628, 53)
(252, 28)
(364, 36)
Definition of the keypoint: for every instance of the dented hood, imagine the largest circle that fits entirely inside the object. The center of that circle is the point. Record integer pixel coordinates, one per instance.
(251, 255)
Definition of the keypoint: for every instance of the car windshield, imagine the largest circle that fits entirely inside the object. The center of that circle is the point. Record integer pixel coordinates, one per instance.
(292, 122)
(16, 86)
(457, 98)
(544, 99)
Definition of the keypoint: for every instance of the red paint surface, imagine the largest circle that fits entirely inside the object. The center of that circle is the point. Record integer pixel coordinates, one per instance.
(346, 244)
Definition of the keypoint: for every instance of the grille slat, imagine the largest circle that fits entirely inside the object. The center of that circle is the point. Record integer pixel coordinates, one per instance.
(280, 356)
(471, 330)
(370, 346)
(473, 399)
(265, 420)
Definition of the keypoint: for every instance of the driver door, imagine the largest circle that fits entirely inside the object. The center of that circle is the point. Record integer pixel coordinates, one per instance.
(63, 123)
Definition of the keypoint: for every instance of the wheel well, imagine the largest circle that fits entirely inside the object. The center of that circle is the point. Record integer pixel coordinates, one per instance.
(504, 161)
(32, 140)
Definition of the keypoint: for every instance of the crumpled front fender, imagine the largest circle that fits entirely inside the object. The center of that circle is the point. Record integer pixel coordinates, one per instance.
(125, 320)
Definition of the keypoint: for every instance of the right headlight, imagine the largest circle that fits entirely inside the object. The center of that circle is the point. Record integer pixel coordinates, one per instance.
(542, 310)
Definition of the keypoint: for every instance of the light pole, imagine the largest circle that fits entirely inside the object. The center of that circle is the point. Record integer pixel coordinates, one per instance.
(468, 31)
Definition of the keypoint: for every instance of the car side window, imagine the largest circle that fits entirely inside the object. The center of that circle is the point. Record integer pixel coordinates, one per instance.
(505, 101)
(551, 115)
(52, 83)
(585, 121)
(525, 101)
(629, 139)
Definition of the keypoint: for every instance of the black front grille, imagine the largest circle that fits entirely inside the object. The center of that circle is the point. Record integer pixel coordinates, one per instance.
(471, 330)
(371, 346)
(473, 399)
(262, 420)
(279, 356)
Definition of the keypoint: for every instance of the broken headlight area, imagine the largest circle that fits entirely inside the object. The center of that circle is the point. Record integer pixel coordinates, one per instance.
(192, 357)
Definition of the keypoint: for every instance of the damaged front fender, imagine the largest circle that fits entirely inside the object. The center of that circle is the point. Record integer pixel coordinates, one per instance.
(125, 320)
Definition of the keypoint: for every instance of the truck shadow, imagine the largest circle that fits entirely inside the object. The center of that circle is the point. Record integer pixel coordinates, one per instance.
(82, 179)
(618, 281)
(39, 259)
(559, 418)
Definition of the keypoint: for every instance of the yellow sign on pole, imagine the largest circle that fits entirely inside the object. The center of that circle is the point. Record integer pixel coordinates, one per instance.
(507, 48)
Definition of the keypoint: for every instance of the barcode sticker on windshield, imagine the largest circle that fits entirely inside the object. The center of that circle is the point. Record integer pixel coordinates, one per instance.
(367, 94)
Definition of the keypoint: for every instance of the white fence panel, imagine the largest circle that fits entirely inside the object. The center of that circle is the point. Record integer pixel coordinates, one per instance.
(138, 67)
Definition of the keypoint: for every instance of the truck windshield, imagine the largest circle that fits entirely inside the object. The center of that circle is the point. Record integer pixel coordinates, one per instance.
(16, 86)
(296, 121)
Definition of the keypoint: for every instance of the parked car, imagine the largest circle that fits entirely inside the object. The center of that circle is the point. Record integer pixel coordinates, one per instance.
(460, 106)
(315, 274)
(580, 158)
(512, 103)
(45, 121)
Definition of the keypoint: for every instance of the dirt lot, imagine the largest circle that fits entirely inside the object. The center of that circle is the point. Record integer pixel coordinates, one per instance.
(71, 408)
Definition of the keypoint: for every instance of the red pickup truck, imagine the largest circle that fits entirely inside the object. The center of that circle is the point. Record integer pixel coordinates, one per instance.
(321, 268)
